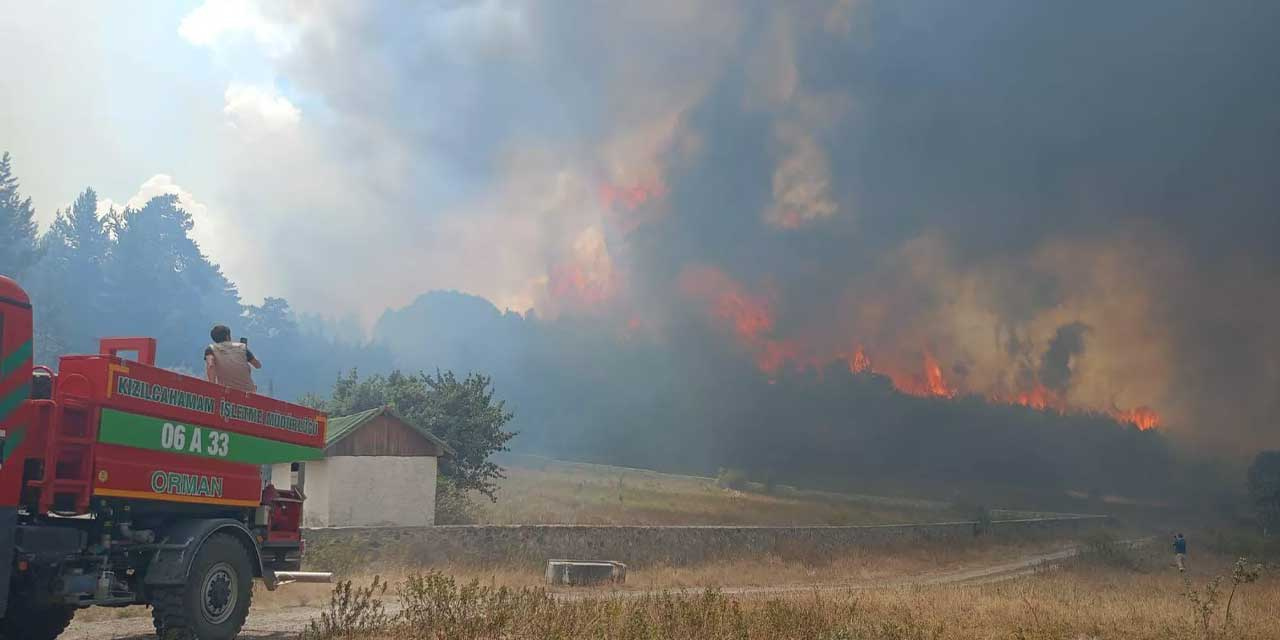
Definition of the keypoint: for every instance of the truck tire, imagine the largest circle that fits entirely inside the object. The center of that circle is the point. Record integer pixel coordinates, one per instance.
(40, 623)
(214, 602)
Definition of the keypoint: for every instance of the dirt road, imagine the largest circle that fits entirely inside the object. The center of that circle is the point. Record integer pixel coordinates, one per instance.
(286, 623)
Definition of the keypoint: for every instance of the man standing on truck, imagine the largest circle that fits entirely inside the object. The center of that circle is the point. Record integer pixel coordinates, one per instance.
(228, 363)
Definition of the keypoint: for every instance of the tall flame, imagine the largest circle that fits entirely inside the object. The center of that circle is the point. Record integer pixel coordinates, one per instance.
(1143, 418)
(585, 278)
(926, 382)
(859, 362)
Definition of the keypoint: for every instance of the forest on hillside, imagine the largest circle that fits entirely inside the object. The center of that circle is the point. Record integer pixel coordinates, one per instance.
(578, 387)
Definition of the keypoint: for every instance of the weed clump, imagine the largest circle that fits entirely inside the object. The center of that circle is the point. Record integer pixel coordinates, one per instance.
(1105, 549)
(353, 612)
(1204, 602)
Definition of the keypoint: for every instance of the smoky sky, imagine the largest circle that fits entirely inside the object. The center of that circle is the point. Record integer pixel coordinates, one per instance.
(1002, 123)
(922, 177)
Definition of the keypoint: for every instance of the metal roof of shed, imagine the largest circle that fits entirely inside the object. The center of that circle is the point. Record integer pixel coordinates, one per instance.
(341, 427)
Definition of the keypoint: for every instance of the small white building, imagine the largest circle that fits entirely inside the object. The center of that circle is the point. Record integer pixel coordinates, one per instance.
(379, 470)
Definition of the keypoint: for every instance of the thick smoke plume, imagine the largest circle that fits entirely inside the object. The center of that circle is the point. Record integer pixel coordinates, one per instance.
(1067, 343)
(1068, 206)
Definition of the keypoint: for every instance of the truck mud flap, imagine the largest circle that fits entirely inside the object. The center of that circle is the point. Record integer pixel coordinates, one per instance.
(8, 530)
(179, 543)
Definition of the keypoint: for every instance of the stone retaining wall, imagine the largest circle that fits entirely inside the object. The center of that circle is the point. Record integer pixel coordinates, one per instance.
(341, 548)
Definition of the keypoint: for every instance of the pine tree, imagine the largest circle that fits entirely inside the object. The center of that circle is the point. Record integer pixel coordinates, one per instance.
(68, 285)
(18, 249)
(82, 232)
(160, 284)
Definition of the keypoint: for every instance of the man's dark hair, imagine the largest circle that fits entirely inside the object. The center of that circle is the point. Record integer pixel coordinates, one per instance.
(220, 333)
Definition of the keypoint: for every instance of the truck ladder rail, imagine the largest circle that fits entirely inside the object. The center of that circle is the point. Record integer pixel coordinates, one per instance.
(66, 483)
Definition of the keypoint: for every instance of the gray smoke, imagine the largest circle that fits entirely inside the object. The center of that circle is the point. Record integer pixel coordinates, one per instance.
(1055, 366)
(978, 181)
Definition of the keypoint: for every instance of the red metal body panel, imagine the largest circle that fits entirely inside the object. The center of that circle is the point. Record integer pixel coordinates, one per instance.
(144, 347)
(107, 381)
(18, 416)
(10, 290)
(126, 472)
(286, 514)
(94, 383)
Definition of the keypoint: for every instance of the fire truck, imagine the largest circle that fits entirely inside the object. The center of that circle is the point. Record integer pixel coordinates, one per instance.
(122, 483)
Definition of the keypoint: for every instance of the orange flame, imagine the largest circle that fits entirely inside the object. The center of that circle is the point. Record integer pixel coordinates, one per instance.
(1040, 398)
(573, 285)
(1143, 418)
(928, 382)
(750, 318)
(630, 197)
(936, 384)
(624, 204)
(859, 362)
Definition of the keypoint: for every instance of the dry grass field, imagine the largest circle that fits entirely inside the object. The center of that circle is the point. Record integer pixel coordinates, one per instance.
(1092, 597)
(788, 569)
(919, 562)
(543, 491)
(1110, 592)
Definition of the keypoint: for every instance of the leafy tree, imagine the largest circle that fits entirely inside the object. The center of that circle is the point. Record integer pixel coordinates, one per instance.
(1264, 489)
(18, 249)
(466, 416)
(463, 413)
(68, 286)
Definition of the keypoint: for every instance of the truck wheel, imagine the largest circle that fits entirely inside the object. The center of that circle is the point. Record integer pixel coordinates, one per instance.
(41, 623)
(214, 602)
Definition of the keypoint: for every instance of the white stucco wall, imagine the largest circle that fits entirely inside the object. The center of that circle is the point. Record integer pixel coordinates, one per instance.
(315, 510)
(370, 491)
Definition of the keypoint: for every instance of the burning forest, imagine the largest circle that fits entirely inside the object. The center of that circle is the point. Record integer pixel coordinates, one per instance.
(896, 237)
(749, 319)
(837, 228)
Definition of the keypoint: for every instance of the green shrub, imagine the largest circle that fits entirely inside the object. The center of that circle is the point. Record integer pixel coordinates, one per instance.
(453, 505)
